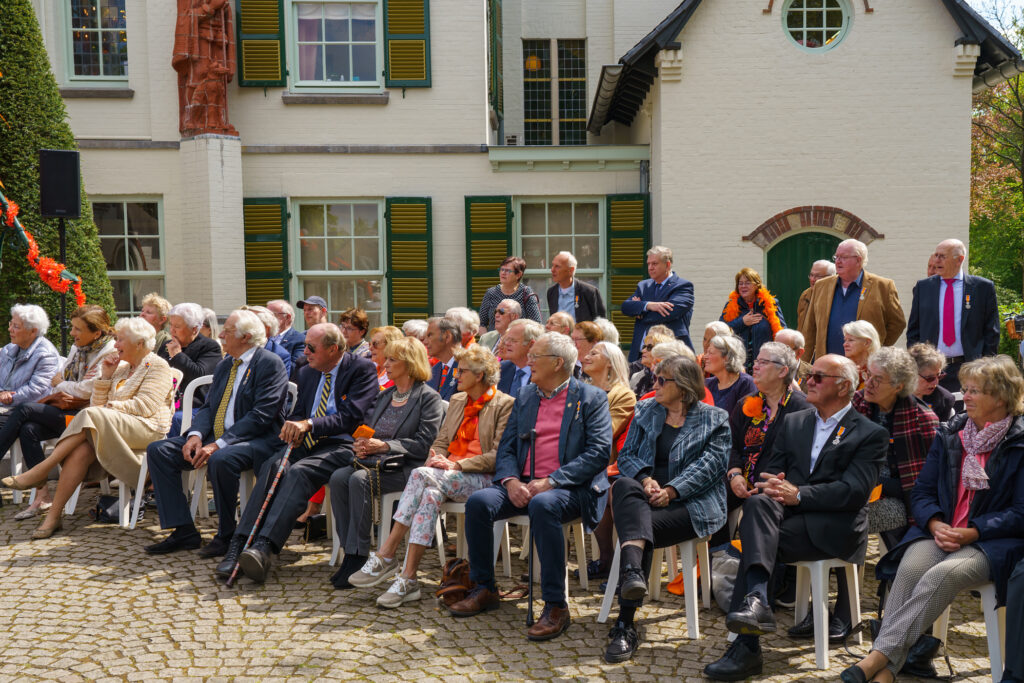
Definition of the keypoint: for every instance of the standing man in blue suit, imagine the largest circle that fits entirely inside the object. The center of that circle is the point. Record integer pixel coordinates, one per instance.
(664, 299)
(574, 435)
(233, 431)
(290, 338)
(954, 312)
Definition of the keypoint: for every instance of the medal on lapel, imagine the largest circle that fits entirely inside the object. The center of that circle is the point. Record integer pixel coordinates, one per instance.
(967, 305)
(839, 435)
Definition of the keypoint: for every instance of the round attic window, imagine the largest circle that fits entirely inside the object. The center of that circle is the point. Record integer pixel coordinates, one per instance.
(816, 25)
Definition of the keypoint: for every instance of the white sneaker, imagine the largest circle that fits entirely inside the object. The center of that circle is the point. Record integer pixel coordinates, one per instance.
(374, 571)
(403, 590)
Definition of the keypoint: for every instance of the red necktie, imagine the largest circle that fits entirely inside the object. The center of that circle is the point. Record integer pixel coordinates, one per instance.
(949, 315)
(444, 376)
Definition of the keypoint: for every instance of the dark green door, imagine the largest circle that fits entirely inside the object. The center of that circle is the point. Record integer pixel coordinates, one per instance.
(789, 262)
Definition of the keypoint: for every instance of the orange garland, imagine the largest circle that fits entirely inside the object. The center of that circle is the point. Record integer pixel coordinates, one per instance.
(732, 309)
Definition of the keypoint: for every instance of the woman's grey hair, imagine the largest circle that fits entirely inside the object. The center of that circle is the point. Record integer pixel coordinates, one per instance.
(415, 328)
(719, 327)
(899, 365)
(672, 348)
(927, 356)
(862, 329)
(210, 320)
(784, 356)
(137, 330)
(609, 332)
(467, 320)
(733, 349)
(447, 327)
(562, 346)
(33, 317)
(687, 375)
(266, 317)
(246, 322)
(192, 314)
(480, 360)
(859, 247)
(664, 254)
(513, 307)
(850, 374)
(999, 377)
(618, 370)
(532, 330)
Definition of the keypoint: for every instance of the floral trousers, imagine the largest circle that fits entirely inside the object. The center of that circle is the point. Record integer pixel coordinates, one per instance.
(428, 488)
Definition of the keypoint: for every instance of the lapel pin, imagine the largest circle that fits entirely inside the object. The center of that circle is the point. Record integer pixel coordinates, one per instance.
(968, 304)
(839, 435)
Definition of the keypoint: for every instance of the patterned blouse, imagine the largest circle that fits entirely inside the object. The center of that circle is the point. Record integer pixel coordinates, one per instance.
(524, 296)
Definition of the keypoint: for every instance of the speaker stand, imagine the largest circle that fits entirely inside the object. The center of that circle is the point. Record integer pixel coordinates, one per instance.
(62, 231)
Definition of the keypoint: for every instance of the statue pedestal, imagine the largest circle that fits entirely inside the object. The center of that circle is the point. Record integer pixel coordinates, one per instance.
(212, 231)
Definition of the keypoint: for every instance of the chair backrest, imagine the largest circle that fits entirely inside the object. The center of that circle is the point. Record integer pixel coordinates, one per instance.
(293, 397)
(176, 377)
(189, 398)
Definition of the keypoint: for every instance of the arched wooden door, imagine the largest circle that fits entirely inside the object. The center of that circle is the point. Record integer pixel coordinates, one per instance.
(789, 262)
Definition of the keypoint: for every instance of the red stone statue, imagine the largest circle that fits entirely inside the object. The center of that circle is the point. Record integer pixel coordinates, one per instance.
(204, 57)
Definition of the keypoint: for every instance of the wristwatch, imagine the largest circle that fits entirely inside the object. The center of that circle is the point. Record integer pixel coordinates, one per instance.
(734, 474)
(798, 496)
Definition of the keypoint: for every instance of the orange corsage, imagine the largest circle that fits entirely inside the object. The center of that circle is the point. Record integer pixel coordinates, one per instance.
(753, 406)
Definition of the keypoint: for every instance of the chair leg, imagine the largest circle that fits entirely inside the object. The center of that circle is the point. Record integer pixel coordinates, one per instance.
(654, 579)
(852, 580)
(501, 543)
(995, 622)
(16, 467)
(581, 554)
(336, 553)
(124, 504)
(819, 601)
(687, 552)
(69, 508)
(525, 552)
(460, 537)
(613, 582)
(105, 486)
(705, 572)
(140, 488)
(439, 539)
(326, 510)
(940, 628)
(803, 593)
(199, 493)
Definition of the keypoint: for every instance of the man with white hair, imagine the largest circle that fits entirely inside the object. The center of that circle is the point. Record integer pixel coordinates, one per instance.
(515, 365)
(664, 299)
(287, 336)
(581, 301)
(442, 342)
(851, 294)
(813, 491)
(507, 311)
(236, 429)
(29, 362)
(270, 327)
(468, 321)
(794, 340)
(819, 270)
(955, 312)
(194, 354)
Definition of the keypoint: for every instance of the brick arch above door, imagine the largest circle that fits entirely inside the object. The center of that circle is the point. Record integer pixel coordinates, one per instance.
(804, 217)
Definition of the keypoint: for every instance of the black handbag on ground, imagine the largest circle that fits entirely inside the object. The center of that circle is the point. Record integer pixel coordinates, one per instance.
(376, 466)
(108, 510)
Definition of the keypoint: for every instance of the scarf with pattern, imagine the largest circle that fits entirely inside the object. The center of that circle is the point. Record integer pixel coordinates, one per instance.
(74, 369)
(469, 429)
(977, 442)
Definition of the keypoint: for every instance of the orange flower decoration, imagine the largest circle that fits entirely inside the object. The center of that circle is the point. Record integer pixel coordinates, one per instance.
(753, 406)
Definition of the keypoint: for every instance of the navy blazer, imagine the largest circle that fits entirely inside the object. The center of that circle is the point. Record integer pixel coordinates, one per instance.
(584, 444)
(674, 289)
(355, 390)
(589, 304)
(259, 401)
(294, 342)
(979, 316)
(508, 373)
(281, 353)
(451, 383)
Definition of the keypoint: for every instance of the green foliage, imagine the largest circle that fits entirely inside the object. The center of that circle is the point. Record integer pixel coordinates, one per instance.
(34, 118)
(1011, 306)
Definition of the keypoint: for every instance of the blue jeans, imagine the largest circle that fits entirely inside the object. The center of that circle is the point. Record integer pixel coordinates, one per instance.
(547, 511)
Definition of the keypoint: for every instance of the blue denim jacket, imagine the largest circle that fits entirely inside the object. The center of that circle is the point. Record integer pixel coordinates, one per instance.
(28, 373)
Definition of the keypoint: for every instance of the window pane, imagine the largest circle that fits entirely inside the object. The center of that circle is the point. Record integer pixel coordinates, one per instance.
(585, 219)
(144, 254)
(535, 252)
(364, 23)
(588, 252)
(84, 14)
(364, 63)
(338, 68)
(113, 253)
(534, 220)
(140, 288)
(339, 253)
(339, 220)
(115, 53)
(109, 217)
(314, 288)
(557, 244)
(560, 219)
(310, 63)
(112, 14)
(336, 29)
(367, 254)
(143, 218)
(309, 21)
(311, 220)
(122, 296)
(311, 252)
(87, 53)
(366, 219)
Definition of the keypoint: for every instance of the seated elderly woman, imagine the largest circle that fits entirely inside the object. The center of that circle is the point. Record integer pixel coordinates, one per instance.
(416, 328)
(461, 462)
(130, 407)
(468, 321)
(211, 326)
(33, 422)
(672, 487)
(29, 362)
(609, 333)
(380, 337)
(724, 360)
(711, 330)
(968, 512)
(191, 352)
(405, 419)
(860, 340)
(354, 323)
(560, 322)
(154, 311)
(641, 380)
(931, 364)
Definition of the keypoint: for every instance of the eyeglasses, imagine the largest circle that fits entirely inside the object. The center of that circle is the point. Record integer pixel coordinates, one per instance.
(647, 347)
(762, 361)
(502, 311)
(817, 377)
(877, 379)
(660, 381)
(507, 271)
(349, 328)
(310, 348)
(532, 357)
(378, 344)
(932, 378)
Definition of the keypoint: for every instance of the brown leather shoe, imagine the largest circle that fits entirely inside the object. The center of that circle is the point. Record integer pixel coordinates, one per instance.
(480, 599)
(552, 623)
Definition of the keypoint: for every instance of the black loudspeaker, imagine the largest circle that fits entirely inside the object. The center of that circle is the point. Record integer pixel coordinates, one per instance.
(59, 184)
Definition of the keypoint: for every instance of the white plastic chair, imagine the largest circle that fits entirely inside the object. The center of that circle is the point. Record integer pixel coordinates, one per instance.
(816, 589)
(995, 628)
(501, 541)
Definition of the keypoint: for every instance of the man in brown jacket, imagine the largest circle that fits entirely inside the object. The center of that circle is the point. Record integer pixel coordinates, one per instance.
(851, 294)
(819, 269)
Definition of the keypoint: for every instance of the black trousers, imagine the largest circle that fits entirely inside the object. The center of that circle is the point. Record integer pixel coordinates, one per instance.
(636, 520)
(1014, 667)
(32, 423)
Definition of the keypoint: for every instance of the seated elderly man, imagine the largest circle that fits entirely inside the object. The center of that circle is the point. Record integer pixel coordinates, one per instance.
(515, 368)
(794, 340)
(29, 362)
(506, 311)
(566, 480)
(560, 322)
(811, 506)
(233, 431)
(189, 351)
(443, 340)
(468, 321)
(287, 336)
(270, 327)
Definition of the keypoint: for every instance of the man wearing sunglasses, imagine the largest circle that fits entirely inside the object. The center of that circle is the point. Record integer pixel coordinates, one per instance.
(811, 505)
(508, 310)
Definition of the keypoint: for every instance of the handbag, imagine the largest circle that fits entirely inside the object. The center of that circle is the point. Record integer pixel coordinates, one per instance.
(455, 581)
(108, 510)
(376, 467)
(886, 514)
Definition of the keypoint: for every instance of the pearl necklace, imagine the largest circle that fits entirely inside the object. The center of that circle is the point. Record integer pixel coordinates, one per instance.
(400, 397)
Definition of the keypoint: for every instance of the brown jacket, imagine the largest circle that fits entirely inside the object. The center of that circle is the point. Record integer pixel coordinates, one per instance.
(879, 305)
(493, 418)
(801, 307)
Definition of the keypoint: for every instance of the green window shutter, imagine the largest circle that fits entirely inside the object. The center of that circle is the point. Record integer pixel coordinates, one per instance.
(495, 74)
(629, 238)
(410, 294)
(488, 243)
(261, 48)
(266, 250)
(407, 43)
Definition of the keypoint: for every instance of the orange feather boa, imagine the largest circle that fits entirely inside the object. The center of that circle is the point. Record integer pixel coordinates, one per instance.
(732, 309)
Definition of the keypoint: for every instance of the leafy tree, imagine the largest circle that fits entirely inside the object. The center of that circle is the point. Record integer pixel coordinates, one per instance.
(34, 118)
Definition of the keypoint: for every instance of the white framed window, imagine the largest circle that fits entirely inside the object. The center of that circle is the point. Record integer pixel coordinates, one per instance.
(97, 40)
(131, 238)
(340, 254)
(816, 25)
(337, 45)
(548, 225)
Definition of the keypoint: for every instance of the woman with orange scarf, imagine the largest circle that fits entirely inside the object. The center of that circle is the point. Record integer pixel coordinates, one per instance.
(752, 313)
(461, 462)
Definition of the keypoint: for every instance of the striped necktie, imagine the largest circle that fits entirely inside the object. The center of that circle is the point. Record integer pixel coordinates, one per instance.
(321, 410)
(222, 408)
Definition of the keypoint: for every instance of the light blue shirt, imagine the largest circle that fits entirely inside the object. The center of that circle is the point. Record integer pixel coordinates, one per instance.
(823, 429)
(567, 300)
(957, 347)
(527, 373)
(229, 415)
(332, 406)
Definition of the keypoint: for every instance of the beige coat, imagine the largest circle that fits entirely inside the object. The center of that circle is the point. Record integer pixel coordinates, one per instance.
(145, 395)
(621, 401)
(493, 418)
(879, 305)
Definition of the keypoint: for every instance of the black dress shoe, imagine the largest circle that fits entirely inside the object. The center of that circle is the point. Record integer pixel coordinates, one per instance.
(257, 560)
(919, 657)
(340, 578)
(622, 643)
(838, 630)
(227, 565)
(754, 619)
(215, 548)
(173, 544)
(739, 662)
(633, 585)
(853, 674)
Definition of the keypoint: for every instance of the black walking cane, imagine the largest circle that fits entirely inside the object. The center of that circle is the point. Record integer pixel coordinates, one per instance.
(259, 518)
(529, 572)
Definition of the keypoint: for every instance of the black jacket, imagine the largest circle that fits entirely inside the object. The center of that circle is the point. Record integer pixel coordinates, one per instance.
(979, 317)
(589, 304)
(197, 359)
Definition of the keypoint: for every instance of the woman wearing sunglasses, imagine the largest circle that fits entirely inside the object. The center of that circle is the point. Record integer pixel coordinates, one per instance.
(930, 365)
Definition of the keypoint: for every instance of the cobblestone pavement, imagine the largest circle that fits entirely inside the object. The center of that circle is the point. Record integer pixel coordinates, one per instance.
(89, 604)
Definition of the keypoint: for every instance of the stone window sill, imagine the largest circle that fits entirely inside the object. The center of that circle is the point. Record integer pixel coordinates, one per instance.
(335, 98)
(97, 93)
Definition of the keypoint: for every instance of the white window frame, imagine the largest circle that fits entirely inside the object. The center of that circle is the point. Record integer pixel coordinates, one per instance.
(844, 30)
(69, 50)
(299, 275)
(599, 274)
(161, 230)
(292, 38)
